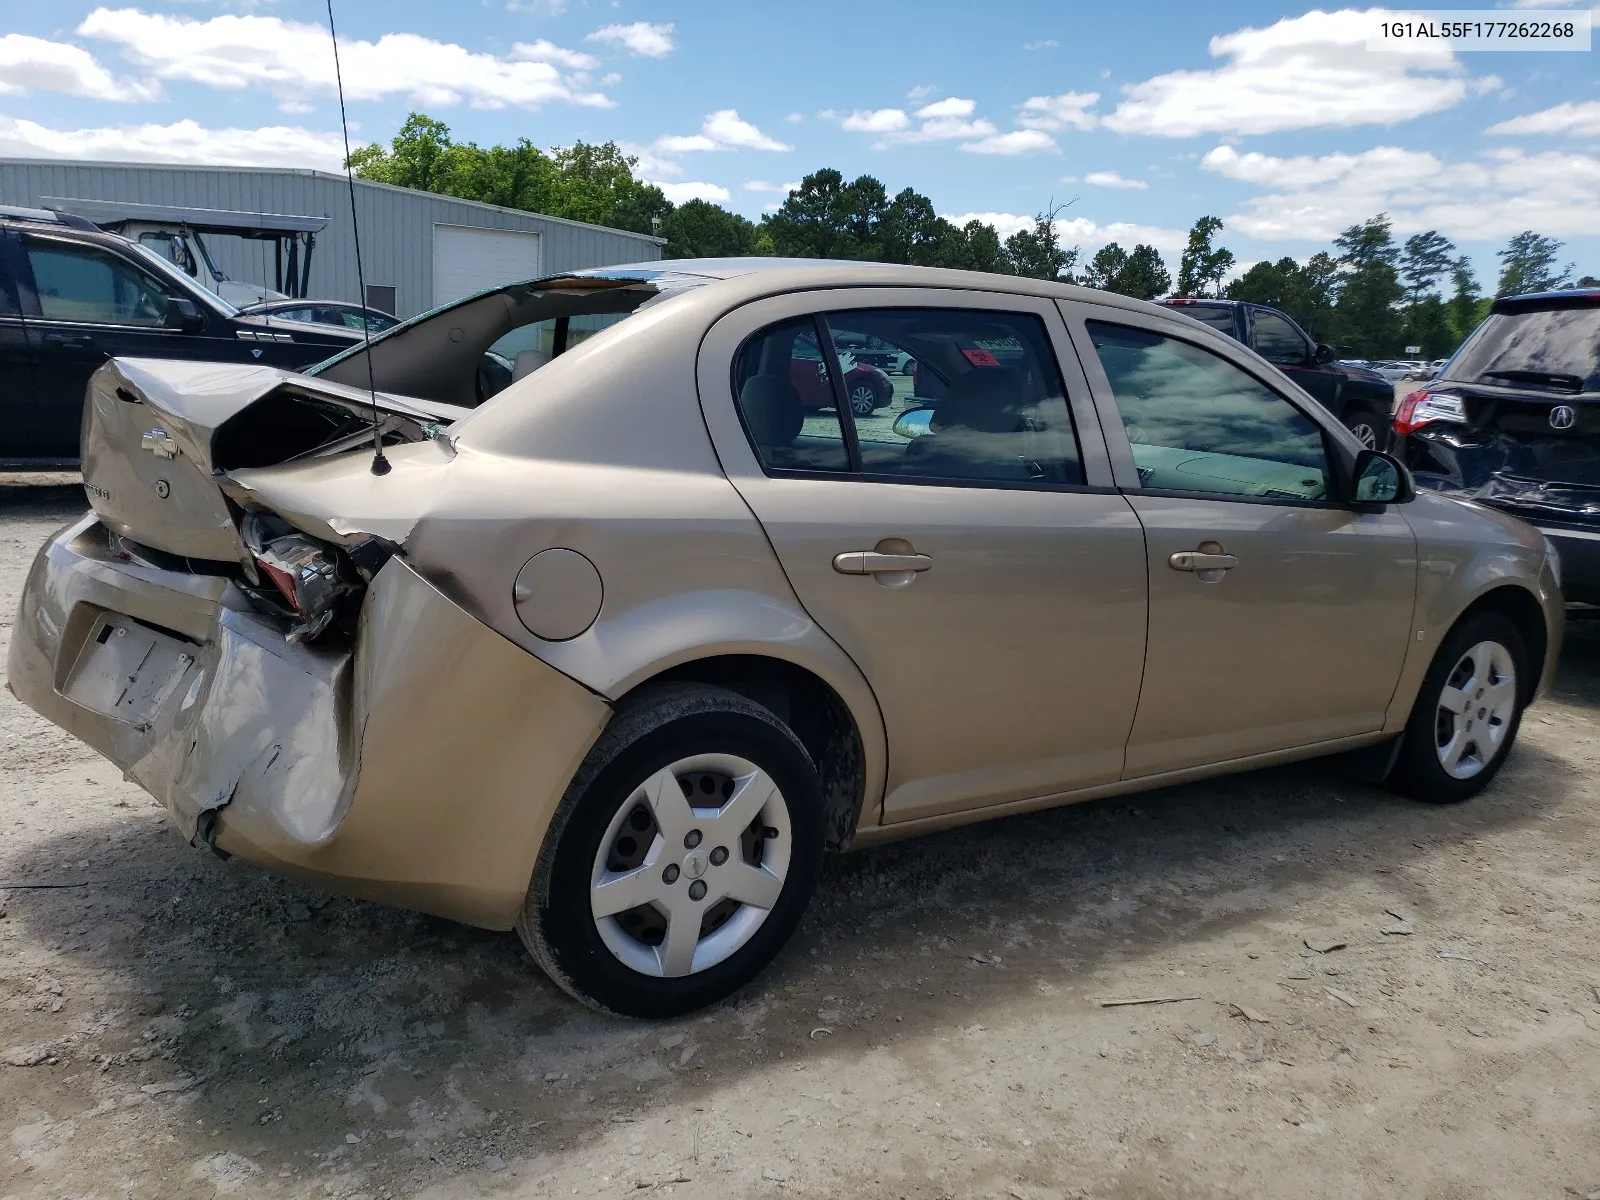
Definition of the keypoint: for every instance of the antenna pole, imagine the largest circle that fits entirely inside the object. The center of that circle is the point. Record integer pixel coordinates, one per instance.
(380, 464)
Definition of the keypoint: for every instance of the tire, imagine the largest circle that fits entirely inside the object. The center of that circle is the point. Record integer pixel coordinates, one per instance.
(628, 962)
(1371, 430)
(1433, 765)
(864, 399)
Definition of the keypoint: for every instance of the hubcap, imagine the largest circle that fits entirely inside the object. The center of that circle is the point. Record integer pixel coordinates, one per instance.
(1365, 434)
(1476, 707)
(691, 865)
(864, 400)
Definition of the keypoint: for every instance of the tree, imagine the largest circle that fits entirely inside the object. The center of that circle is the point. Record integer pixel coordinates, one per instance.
(1201, 263)
(1465, 309)
(1366, 316)
(1037, 252)
(1106, 267)
(1425, 258)
(1588, 281)
(700, 229)
(1528, 264)
(1140, 274)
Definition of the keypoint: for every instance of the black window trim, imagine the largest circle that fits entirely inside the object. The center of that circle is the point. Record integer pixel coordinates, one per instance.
(29, 286)
(1335, 472)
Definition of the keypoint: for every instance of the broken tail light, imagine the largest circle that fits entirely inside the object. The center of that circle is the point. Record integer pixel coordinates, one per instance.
(306, 573)
(1428, 408)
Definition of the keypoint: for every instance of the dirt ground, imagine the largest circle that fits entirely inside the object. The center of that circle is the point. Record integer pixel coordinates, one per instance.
(176, 1026)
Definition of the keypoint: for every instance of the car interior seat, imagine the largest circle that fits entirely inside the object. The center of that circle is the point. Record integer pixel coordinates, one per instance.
(977, 432)
(775, 416)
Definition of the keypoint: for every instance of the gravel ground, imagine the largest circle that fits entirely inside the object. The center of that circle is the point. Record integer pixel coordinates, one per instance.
(176, 1026)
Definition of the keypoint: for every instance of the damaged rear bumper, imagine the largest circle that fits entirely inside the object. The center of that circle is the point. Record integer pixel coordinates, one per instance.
(420, 768)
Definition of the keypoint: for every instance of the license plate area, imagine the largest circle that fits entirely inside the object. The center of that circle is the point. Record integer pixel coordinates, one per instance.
(127, 670)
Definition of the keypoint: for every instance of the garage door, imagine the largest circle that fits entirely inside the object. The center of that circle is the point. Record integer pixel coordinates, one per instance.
(469, 260)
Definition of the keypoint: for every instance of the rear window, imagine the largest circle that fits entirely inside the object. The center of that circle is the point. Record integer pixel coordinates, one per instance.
(1552, 347)
(1218, 316)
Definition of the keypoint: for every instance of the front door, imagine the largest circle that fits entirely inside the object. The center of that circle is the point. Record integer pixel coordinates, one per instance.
(84, 304)
(17, 408)
(1279, 617)
(983, 576)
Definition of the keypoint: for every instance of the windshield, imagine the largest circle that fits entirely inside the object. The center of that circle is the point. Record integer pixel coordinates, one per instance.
(171, 274)
(1550, 346)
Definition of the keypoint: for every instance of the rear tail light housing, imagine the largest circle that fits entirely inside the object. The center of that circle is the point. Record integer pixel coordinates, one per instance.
(1428, 408)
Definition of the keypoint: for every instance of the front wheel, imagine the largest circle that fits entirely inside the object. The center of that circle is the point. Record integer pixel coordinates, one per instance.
(1467, 712)
(863, 399)
(682, 857)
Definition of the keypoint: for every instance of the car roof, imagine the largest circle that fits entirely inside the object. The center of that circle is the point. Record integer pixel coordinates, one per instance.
(1568, 298)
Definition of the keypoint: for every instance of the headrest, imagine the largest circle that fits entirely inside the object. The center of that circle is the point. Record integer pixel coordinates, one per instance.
(772, 409)
(985, 399)
(527, 362)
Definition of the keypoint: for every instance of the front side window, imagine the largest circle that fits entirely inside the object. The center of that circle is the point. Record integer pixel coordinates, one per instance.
(1277, 341)
(94, 286)
(1197, 423)
(984, 403)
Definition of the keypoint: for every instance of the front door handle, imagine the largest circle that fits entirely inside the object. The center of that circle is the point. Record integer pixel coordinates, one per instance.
(1211, 561)
(873, 562)
(72, 341)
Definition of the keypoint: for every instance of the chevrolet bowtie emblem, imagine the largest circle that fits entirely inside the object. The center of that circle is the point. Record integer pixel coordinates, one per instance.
(159, 442)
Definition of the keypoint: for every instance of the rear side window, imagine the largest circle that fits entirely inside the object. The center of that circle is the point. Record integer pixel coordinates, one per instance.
(1553, 347)
(928, 396)
(1218, 316)
(91, 285)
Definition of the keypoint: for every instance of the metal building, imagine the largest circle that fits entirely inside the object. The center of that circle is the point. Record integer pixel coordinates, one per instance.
(428, 249)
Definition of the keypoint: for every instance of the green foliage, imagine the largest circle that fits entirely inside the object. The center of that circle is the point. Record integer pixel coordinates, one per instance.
(700, 229)
(1140, 274)
(1528, 264)
(1037, 252)
(1425, 258)
(1304, 292)
(1201, 264)
(1466, 308)
(1366, 315)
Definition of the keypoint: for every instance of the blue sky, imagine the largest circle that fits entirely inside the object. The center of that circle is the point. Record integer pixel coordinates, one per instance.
(1276, 118)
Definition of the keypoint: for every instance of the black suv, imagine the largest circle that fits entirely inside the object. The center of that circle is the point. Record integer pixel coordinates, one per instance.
(1362, 399)
(1513, 421)
(72, 296)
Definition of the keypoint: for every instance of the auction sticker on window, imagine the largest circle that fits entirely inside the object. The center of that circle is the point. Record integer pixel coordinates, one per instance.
(1481, 29)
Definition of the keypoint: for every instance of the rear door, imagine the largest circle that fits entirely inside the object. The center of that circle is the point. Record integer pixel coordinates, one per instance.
(986, 577)
(85, 303)
(17, 406)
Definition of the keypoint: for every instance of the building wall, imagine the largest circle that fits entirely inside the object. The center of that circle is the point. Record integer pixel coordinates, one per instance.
(396, 224)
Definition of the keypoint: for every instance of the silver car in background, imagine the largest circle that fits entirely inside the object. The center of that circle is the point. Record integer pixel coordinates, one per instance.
(636, 627)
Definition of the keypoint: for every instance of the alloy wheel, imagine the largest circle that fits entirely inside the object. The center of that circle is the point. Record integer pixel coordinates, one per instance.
(1476, 708)
(1365, 434)
(863, 400)
(691, 865)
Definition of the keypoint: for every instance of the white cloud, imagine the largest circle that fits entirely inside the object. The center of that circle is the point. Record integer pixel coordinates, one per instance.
(1058, 112)
(1110, 179)
(1084, 232)
(724, 129)
(291, 59)
(1018, 141)
(947, 120)
(921, 92)
(545, 50)
(1502, 193)
(1579, 120)
(878, 120)
(1042, 44)
(1300, 73)
(181, 142)
(641, 37)
(761, 185)
(30, 64)
(795, 118)
(678, 193)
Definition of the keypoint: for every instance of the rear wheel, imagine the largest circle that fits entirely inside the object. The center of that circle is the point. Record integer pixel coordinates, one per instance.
(1371, 430)
(864, 399)
(1467, 713)
(682, 857)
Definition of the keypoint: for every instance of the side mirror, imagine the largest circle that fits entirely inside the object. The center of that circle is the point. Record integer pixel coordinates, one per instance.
(913, 423)
(184, 315)
(1324, 353)
(1381, 479)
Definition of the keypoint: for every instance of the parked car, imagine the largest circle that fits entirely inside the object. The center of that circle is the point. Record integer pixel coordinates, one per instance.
(341, 314)
(72, 297)
(1361, 398)
(614, 656)
(1513, 421)
(866, 387)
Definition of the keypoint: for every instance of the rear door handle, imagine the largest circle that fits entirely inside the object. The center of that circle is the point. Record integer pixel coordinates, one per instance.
(872, 562)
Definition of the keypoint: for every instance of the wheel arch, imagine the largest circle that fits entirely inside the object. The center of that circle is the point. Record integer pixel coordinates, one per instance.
(1524, 611)
(814, 709)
